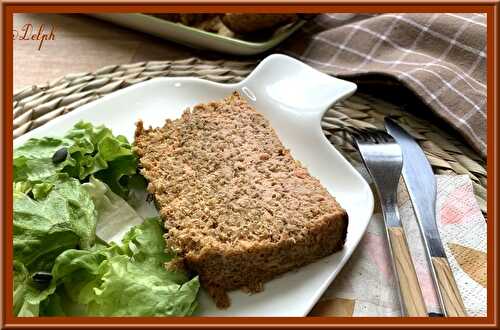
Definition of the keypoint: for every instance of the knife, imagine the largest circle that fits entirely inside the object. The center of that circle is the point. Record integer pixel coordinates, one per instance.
(421, 184)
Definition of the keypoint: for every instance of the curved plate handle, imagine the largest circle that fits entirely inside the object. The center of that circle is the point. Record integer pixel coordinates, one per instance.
(295, 85)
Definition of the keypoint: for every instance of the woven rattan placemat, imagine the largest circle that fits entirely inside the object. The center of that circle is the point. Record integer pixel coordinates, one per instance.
(446, 151)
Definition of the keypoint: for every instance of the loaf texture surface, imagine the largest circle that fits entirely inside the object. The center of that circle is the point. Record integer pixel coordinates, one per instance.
(236, 205)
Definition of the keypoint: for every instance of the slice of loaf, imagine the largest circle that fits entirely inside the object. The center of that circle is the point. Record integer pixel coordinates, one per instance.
(237, 207)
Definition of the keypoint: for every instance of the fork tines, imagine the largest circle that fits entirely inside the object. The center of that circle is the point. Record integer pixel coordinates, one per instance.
(370, 134)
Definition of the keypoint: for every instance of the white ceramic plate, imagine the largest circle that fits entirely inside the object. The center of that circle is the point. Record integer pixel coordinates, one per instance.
(294, 97)
(194, 37)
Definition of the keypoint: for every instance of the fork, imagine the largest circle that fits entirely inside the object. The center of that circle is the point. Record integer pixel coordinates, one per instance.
(383, 159)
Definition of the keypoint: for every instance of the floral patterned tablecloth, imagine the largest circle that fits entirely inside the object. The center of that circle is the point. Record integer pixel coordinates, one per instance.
(366, 285)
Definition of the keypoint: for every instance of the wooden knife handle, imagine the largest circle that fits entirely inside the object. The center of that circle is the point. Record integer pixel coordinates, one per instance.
(405, 271)
(448, 287)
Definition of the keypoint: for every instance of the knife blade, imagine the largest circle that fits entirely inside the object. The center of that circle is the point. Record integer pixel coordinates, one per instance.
(421, 185)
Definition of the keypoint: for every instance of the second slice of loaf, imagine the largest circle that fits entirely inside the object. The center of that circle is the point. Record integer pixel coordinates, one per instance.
(236, 206)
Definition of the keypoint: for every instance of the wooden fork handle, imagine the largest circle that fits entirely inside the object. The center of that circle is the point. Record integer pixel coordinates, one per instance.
(411, 294)
(448, 287)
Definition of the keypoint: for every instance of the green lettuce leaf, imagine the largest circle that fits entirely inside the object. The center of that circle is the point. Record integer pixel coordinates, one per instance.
(127, 289)
(78, 272)
(145, 243)
(90, 150)
(114, 215)
(59, 304)
(98, 149)
(23, 187)
(33, 160)
(63, 219)
(129, 279)
(27, 296)
(41, 190)
(65, 191)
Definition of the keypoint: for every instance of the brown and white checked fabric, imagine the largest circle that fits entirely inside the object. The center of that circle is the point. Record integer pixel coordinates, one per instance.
(441, 57)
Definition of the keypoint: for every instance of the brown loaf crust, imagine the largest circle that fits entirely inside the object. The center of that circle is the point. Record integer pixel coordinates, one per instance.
(186, 19)
(251, 23)
(236, 206)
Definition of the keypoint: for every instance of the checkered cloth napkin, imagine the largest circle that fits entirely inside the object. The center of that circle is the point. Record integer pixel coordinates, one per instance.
(441, 57)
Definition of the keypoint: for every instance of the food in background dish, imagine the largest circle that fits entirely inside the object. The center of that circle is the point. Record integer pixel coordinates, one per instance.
(251, 23)
(244, 26)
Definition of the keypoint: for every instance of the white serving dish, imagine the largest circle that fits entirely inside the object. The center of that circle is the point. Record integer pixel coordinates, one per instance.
(194, 37)
(293, 97)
